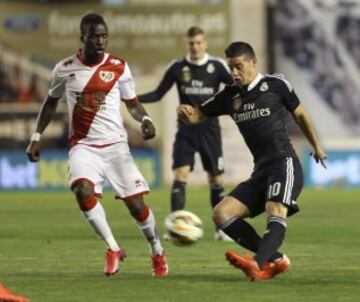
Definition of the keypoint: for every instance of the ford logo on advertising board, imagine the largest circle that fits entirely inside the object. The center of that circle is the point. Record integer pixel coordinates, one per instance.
(22, 22)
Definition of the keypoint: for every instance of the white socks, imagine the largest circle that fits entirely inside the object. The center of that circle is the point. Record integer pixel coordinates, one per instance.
(97, 219)
(148, 229)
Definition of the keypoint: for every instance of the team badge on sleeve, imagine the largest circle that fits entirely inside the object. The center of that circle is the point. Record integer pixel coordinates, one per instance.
(106, 76)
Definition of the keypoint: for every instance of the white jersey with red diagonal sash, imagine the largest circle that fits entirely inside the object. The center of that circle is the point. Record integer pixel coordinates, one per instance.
(93, 94)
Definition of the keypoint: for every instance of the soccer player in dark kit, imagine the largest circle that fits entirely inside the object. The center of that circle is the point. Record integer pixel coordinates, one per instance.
(258, 105)
(197, 77)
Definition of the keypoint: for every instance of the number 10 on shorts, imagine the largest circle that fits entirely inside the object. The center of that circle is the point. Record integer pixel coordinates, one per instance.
(274, 190)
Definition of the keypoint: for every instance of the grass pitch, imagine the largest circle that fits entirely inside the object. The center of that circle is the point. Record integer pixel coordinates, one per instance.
(49, 254)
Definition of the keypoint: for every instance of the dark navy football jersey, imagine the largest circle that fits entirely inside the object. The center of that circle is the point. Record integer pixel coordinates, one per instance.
(260, 114)
(195, 83)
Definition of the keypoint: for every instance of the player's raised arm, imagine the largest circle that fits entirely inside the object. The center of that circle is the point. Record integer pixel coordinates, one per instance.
(45, 115)
(190, 115)
(138, 112)
(306, 125)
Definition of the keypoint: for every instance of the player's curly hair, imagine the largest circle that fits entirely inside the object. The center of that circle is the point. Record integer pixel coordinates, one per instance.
(237, 49)
(90, 19)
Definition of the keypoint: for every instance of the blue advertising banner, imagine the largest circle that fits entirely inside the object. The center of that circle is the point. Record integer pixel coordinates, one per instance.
(343, 169)
(51, 173)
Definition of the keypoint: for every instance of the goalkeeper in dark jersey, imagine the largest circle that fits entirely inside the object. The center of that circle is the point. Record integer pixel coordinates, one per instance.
(197, 77)
(259, 106)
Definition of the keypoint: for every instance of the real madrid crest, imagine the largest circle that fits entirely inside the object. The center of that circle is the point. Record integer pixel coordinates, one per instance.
(210, 68)
(186, 74)
(237, 102)
(106, 76)
(264, 86)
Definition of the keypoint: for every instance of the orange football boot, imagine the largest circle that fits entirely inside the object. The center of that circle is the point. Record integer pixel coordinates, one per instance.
(248, 265)
(6, 295)
(277, 266)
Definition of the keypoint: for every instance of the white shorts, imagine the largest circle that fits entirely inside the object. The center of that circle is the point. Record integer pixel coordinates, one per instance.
(114, 163)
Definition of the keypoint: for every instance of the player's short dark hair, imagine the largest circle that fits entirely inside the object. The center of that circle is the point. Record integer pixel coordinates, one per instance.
(237, 49)
(90, 19)
(194, 31)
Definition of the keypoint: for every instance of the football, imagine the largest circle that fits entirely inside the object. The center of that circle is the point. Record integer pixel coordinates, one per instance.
(183, 227)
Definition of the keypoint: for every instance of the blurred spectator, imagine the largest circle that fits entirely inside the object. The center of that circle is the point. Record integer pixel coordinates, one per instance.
(8, 92)
(21, 81)
(305, 40)
(348, 30)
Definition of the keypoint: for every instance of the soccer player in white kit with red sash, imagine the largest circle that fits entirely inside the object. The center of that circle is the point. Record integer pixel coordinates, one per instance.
(95, 84)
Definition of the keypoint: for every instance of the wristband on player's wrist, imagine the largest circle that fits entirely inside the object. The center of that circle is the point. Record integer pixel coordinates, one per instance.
(36, 137)
(146, 118)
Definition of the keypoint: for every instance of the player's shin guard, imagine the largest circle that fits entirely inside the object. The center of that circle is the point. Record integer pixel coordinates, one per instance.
(178, 195)
(147, 225)
(95, 215)
(216, 194)
(272, 240)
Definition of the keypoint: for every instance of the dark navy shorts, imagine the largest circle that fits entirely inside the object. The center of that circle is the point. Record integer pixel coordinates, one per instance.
(279, 181)
(206, 141)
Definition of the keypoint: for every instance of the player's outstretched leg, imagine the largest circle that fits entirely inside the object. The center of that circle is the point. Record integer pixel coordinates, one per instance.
(244, 235)
(261, 266)
(145, 221)
(272, 240)
(95, 215)
(248, 238)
